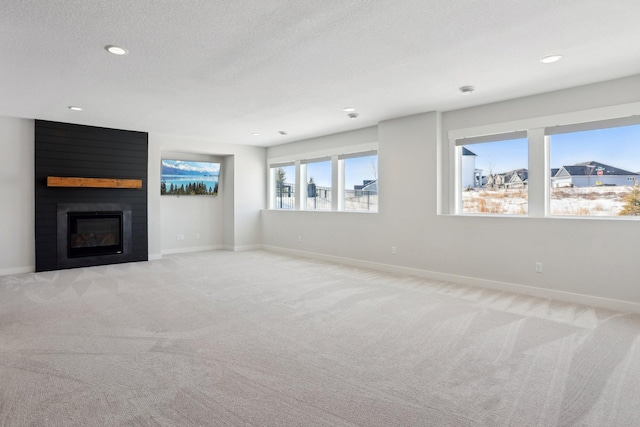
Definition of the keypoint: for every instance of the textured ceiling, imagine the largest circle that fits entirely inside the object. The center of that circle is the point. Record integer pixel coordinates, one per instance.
(223, 70)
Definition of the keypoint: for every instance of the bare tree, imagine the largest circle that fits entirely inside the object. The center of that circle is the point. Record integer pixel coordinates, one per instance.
(281, 178)
(491, 179)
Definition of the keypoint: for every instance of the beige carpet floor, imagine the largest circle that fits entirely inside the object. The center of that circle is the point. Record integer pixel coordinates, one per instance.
(256, 338)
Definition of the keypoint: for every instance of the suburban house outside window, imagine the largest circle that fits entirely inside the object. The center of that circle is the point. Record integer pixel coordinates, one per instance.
(578, 169)
(595, 168)
(360, 181)
(493, 174)
(283, 188)
(318, 184)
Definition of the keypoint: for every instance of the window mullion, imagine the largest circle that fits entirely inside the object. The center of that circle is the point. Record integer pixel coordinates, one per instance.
(538, 173)
(335, 184)
(298, 189)
(302, 187)
(457, 179)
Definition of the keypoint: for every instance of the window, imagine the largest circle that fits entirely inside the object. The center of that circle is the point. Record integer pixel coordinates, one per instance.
(361, 182)
(589, 169)
(595, 169)
(283, 177)
(318, 185)
(335, 182)
(493, 174)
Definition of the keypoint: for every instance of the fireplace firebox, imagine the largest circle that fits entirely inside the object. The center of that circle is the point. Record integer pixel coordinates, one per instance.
(94, 233)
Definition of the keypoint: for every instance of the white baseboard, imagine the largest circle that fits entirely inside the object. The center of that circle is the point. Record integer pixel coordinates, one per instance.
(570, 297)
(190, 249)
(242, 248)
(154, 257)
(17, 270)
(206, 248)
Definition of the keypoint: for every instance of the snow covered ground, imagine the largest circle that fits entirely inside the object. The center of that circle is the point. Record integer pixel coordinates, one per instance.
(589, 201)
(577, 201)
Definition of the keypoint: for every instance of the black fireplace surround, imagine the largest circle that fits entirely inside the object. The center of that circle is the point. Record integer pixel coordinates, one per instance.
(80, 226)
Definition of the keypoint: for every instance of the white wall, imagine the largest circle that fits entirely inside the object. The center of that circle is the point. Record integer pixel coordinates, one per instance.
(17, 234)
(200, 219)
(405, 156)
(325, 145)
(584, 260)
(249, 196)
(228, 173)
(230, 220)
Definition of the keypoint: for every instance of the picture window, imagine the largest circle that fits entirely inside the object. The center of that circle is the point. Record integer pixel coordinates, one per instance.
(494, 176)
(595, 172)
(318, 185)
(589, 169)
(283, 187)
(361, 183)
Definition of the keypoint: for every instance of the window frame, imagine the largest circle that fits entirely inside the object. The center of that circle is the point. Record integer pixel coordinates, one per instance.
(615, 123)
(337, 157)
(272, 185)
(342, 159)
(304, 180)
(538, 130)
(484, 139)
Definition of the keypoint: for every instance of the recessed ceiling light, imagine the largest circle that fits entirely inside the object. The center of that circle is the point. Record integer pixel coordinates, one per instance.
(116, 50)
(467, 90)
(255, 134)
(550, 59)
(74, 108)
(282, 132)
(349, 109)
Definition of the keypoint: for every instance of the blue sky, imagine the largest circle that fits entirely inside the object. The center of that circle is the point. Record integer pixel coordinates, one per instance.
(358, 169)
(355, 171)
(500, 156)
(320, 172)
(618, 147)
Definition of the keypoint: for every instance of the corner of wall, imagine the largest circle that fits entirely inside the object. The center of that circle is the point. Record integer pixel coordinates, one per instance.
(17, 218)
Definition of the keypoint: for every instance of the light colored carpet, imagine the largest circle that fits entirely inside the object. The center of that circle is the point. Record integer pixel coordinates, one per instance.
(256, 338)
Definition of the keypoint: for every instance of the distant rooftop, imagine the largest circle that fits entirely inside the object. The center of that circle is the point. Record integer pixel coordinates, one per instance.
(591, 168)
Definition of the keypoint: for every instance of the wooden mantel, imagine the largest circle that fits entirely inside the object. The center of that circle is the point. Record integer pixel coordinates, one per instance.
(61, 181)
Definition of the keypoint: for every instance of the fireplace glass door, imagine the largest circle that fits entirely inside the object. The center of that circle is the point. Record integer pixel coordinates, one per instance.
(94, 233)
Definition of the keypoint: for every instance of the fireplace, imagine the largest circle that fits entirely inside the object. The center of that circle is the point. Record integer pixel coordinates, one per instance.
(88, 170)
(93, 233)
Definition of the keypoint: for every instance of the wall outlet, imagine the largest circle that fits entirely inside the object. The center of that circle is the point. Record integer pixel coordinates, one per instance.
(394, 250)
(177, 236)
(299, 238)
(197, 235)
(538, 267)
